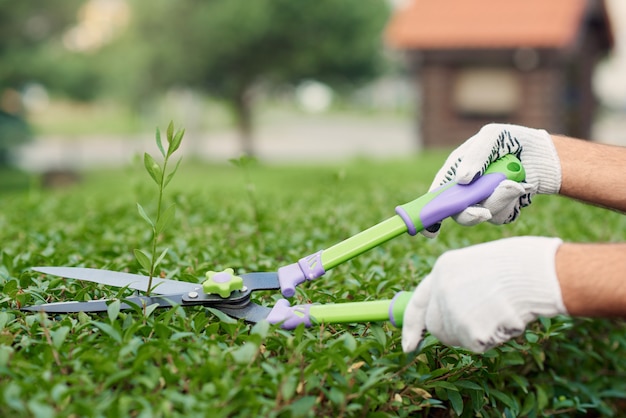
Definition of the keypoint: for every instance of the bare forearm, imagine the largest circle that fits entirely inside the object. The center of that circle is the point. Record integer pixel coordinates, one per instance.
(591, 172)
(593, 279)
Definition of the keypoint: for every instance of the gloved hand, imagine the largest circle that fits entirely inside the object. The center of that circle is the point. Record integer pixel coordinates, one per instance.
(481, 296)
(535, 150)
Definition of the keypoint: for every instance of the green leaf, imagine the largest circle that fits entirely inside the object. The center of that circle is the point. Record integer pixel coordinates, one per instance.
(171, 174)
(40, 409)
(512, 358)
(6, 352)
(113, 310)
(303, 406)
(243, 162)
(109, 330)
(530, 404)
(117, 377)
(59, 335)
(10, 288)
(148, 310)
(170, 132)
(165, 219)
(222, 316)
(159, 143)
(158, 260)
(545, 322)
(7, 262)
(379, 333)
(288, 387)
(374, 377)
(11, 396)
(336, 396)
(155, 286)
(176, 141)
(4, 319)
(456, 401)
(144, 215)
(153, 168)
(442, 384)
(143, 259)
(83, 318)
(521, 381)
(468, 384)
(504, 398)
(538, 355)
(245, 354)
(261, 328)
(531, 337)
(349, 342)
(542, 398)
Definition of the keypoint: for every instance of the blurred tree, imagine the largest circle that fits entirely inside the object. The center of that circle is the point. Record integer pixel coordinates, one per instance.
(30, 43)
(229, 47)
(31, 40)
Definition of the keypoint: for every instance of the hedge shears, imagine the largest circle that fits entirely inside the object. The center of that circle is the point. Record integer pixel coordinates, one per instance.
(231, 293)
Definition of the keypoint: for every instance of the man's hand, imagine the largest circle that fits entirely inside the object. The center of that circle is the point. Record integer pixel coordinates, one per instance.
(481, 296)
(535, 150)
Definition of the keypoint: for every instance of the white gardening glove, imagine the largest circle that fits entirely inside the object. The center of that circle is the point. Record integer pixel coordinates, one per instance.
(481, 296)
(534, 148)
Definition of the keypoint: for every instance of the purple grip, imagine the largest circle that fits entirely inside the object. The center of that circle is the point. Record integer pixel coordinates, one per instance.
(410, 226)
(457, 198)
(392, 318)
(289, 316)
(307, 268)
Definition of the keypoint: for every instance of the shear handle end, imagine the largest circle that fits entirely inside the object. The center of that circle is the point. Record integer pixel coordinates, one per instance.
(290, 316)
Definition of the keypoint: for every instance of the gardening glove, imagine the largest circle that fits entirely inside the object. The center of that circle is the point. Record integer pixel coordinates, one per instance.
(481, 296)
(535, 150)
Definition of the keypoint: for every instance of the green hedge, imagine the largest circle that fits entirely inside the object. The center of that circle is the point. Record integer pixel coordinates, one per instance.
(194, 362)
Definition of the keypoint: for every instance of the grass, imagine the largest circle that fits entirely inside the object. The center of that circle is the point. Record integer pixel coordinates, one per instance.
(13, 179)
(194, 362)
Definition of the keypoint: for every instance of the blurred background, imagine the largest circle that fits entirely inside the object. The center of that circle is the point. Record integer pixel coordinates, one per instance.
(85, 83)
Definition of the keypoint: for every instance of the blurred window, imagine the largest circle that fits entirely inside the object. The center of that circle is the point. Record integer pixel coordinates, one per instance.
(486, 92)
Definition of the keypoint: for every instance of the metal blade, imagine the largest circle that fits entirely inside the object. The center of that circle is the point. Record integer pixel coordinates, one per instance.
(250, 312)
(261, 281)
(119, 279)
(101, 305)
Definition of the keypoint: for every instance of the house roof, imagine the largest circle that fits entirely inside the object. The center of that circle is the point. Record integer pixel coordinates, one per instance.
(445, 24)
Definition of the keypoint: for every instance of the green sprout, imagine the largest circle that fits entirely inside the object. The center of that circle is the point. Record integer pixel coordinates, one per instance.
(150, 261)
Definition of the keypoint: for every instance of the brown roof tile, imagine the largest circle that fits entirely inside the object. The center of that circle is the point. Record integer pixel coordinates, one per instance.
(430, 24)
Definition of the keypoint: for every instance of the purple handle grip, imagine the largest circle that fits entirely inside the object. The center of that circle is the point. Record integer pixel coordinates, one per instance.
(289, 316)
(307, 268)
(392, 318)
(437, 205)
(459, 197)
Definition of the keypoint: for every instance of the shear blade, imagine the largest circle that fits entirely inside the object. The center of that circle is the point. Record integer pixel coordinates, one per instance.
(102, 305)
(250, 312)
(120, 279)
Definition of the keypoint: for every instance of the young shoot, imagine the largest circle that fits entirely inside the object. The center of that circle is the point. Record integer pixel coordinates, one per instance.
(151, 260)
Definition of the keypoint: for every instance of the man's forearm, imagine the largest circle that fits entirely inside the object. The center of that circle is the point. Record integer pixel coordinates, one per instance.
(593, 279)
(592, 172)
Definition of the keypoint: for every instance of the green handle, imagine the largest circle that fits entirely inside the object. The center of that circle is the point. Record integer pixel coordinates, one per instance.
(358, 312)
(509, 166)
(412, 217)
(362, 242)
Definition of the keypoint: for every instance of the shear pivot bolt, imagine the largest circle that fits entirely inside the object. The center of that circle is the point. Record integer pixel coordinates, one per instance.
(193, 295)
